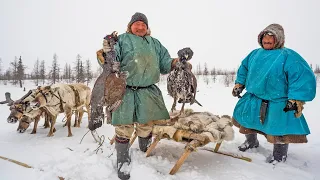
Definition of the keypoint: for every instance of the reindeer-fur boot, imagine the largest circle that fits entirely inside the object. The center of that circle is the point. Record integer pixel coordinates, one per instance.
(123, 157)
(279, 153)
(144, 142)
(251, 142)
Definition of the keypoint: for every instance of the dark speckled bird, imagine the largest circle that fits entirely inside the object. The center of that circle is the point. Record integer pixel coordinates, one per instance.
(181, 82)
(109, 87)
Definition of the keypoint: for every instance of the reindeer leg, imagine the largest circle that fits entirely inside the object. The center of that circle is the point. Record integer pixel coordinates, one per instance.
(69, 113)
(35, 124)
(80, 117)
(50, 117)
(76, 119)
(53, 121)
(54, 129)
(46, 121)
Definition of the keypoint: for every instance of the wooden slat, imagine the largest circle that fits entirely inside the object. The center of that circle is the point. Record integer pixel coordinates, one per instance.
(181, 160)
(190, 147)
(154, 144)
(180, 134)
(216, 149)
(113, 139)
(133, 138)
(16, 162)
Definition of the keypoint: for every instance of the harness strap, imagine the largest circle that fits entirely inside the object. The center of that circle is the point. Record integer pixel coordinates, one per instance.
(61, 102)
(26, 122)
(77, 96)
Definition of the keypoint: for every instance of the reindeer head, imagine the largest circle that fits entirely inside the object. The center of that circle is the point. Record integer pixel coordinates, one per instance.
(17, 111)
(24, 124)
(43, 96)
(20, 107)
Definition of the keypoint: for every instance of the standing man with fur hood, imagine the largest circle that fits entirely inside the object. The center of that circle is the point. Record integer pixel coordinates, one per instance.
(144, 58)
(278, 82)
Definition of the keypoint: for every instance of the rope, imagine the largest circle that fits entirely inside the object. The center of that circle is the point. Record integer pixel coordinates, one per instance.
(72, 112)
(64, 119)
(84, 136)
(102, 137)
(99, 148)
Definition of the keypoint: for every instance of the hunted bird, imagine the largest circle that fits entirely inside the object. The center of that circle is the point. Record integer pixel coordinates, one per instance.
(181, 82)
(109, 87)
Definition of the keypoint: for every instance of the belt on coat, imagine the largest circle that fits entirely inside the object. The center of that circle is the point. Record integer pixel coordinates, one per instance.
(137, 87)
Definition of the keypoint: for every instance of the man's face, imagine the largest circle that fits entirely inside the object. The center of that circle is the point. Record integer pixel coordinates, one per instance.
(268, 42)
(139, 28)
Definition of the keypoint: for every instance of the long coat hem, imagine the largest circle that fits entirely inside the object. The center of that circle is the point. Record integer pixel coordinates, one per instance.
(271, 138)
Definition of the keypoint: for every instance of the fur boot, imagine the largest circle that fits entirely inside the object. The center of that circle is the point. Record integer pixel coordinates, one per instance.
(144, 143)
(123, 157)
(251, 142)
(279, 153)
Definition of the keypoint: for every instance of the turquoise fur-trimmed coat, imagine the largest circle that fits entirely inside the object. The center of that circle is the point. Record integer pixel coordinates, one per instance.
(277, 76)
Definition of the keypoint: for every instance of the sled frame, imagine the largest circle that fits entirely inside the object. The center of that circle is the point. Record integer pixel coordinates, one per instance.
(189, 148)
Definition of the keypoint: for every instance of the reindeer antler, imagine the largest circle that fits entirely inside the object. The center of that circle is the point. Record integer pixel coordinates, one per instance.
(23, 97)
(8, 99)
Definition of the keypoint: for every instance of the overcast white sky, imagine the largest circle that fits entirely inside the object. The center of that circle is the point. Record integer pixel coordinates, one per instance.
(221, 33)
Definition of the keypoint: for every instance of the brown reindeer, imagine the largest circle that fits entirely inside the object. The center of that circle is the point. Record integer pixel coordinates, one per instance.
(63, 98)
(20, 109)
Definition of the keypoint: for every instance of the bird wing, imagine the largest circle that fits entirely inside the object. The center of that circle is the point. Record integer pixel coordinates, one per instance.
(170, 83)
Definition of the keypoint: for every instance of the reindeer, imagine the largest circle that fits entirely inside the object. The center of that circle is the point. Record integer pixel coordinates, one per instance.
(20, 110)
(62, 98)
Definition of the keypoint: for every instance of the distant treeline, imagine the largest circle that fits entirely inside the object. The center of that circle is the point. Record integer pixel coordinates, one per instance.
(81, 72)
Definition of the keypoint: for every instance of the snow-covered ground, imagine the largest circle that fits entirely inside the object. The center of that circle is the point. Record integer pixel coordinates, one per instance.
(66, 157)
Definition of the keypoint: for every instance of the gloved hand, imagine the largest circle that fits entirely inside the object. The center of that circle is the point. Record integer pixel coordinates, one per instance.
(109, 41)
(94, 124)
(295, 105)
(174, 63)
(237, 90)
(100, 56)
(97, 117)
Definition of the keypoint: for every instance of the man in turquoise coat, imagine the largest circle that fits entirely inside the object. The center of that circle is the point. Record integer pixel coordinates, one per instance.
(278, 82)
(144, 58)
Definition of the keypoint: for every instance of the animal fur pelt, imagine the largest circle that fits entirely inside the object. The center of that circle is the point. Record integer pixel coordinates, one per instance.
(216, 128)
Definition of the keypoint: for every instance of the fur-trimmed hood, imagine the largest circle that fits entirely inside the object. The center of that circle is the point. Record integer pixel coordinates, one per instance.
(278, 32)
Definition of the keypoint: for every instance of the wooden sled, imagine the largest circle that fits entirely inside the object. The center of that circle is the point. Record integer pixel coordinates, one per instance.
(193, 141)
